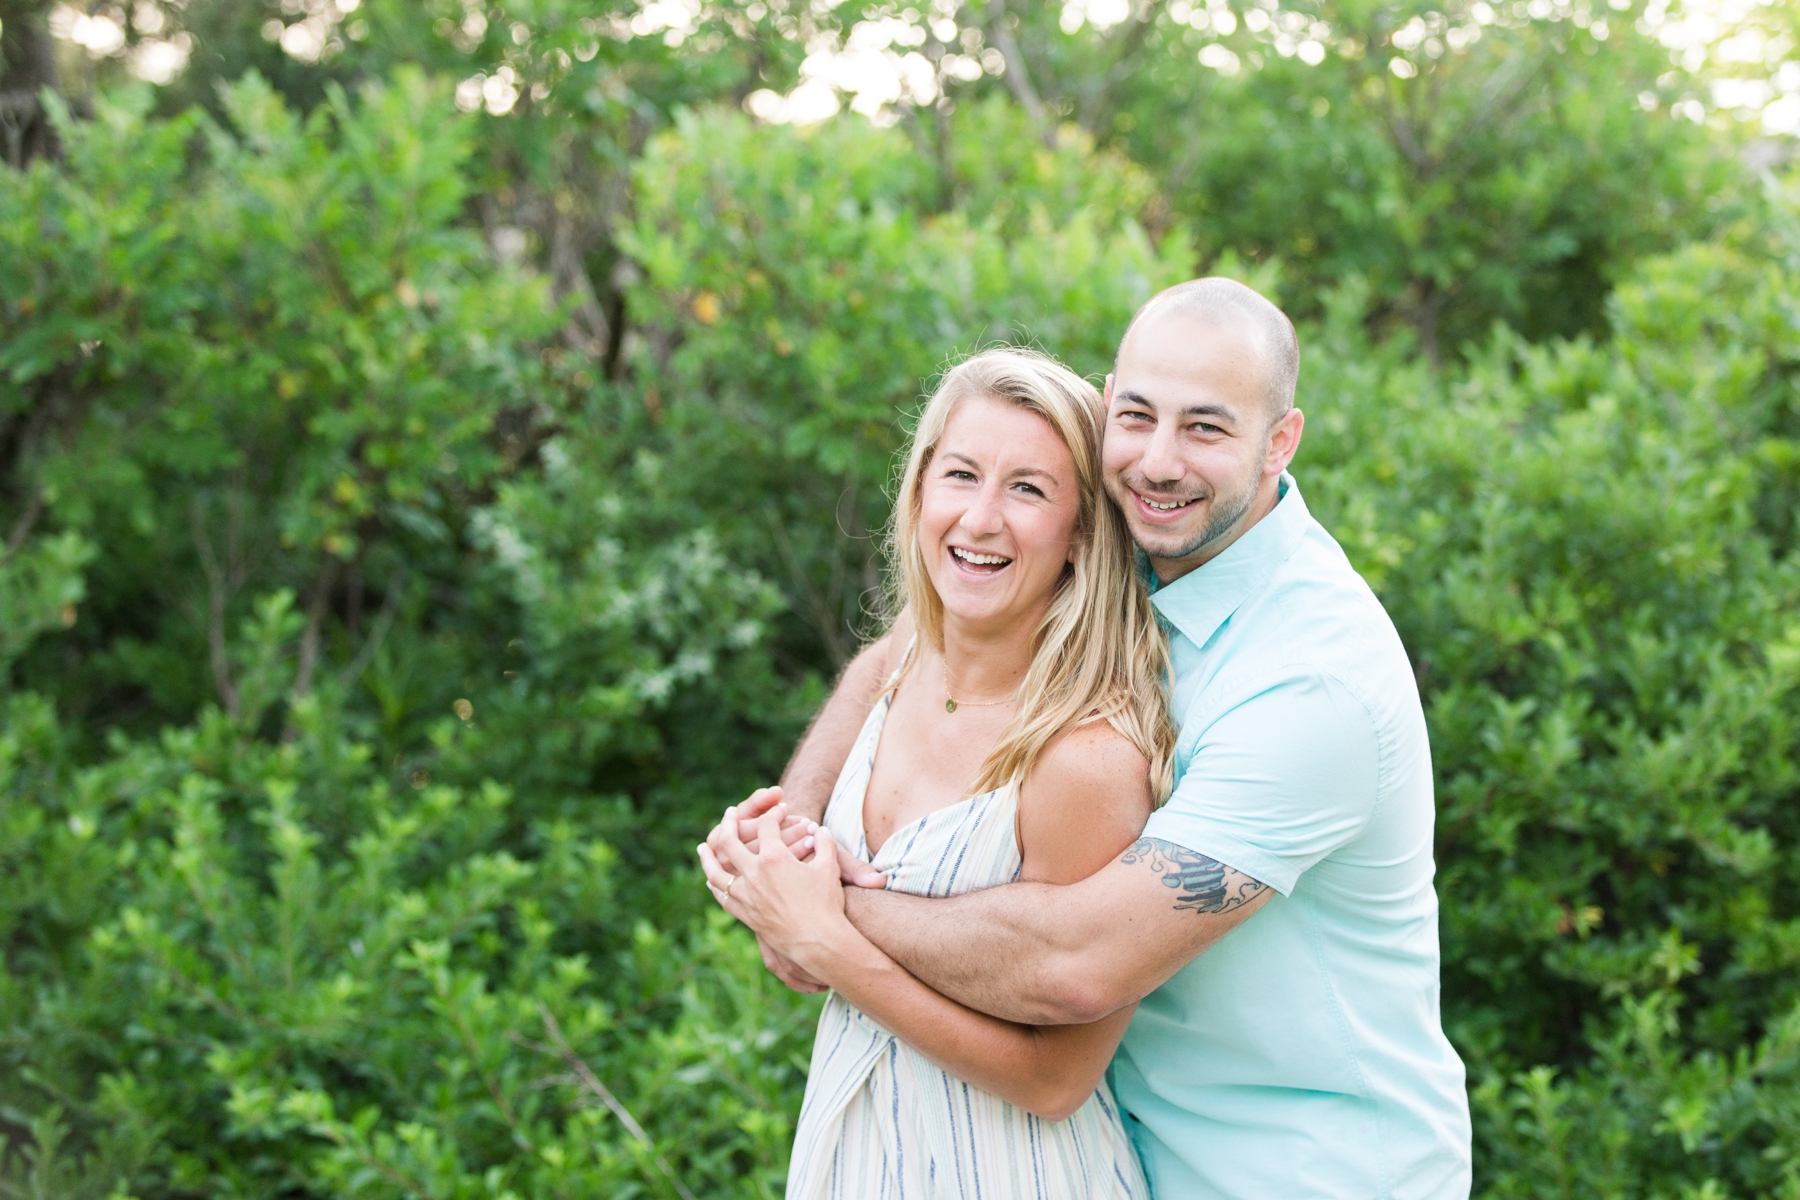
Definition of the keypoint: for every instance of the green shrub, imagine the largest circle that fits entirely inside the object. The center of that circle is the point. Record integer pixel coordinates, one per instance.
(1589, 550)
(375, 659)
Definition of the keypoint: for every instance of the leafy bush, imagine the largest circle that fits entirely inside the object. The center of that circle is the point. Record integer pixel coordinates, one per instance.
(377, 650)
(426, 653)
(796, 297)
(1590, 550)
(257, 947)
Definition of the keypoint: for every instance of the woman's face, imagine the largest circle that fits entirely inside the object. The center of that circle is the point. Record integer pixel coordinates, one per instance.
(999, 506)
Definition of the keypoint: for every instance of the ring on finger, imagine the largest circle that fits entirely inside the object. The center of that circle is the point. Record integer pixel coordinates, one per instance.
(731, 885)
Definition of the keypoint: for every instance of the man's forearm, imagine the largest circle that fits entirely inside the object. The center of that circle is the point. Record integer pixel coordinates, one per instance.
(1065, 954)
(999, 950)
(813, 771)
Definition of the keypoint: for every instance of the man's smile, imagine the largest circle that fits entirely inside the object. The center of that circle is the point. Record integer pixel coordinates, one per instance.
(1159, 509)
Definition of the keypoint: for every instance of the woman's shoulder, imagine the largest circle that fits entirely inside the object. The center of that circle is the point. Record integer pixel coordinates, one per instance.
(875, 664)
(897, 642)
(1089, 754)
(1086, 798)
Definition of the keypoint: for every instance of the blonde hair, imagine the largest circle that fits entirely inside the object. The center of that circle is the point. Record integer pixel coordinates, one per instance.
(1098, 654)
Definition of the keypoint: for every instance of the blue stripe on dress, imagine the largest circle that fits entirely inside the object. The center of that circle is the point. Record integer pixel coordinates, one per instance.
(879, 1118)
(962, 854)
(974, 1162)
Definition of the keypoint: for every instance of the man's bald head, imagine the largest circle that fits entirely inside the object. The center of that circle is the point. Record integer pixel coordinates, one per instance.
(1225, 303)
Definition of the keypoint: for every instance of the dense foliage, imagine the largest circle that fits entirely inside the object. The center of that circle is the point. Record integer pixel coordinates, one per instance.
(418, 523)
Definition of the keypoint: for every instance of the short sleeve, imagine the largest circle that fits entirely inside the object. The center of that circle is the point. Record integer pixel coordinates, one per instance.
(1278, 780)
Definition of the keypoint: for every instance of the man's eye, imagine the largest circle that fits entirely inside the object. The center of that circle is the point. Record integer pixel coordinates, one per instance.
(1203, 427)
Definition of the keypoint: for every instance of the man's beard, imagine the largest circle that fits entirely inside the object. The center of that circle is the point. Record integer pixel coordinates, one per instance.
(1227, 511)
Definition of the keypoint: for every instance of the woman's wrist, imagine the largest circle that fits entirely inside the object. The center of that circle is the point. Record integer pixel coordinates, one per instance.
(832, 951)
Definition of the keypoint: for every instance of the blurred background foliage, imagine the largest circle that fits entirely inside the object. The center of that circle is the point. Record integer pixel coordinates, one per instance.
(443, 452)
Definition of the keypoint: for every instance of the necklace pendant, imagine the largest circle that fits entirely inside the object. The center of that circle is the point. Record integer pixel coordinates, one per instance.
(949, 704)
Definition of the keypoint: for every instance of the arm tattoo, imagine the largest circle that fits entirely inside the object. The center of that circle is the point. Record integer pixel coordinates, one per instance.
(1204, 884)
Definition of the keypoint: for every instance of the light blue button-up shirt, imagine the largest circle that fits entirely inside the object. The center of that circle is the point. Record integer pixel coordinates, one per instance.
(1303, 1055)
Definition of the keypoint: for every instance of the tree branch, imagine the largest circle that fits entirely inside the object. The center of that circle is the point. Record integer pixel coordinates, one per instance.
(390, 603)
(1121, 68)
(1018, 75)
(315, 620)
(217, 597)
(493, 1085)
(22, 527)
(559, 1048)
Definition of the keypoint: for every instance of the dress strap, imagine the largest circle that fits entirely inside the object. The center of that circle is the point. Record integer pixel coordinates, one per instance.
(905, 657)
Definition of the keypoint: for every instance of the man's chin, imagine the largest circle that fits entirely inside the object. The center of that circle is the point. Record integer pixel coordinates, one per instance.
(1171, 545)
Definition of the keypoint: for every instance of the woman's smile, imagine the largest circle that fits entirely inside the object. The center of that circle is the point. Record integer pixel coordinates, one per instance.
(977, 563)
(1000, 500)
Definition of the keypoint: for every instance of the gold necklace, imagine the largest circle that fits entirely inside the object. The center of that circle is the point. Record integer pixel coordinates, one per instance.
(950, 704)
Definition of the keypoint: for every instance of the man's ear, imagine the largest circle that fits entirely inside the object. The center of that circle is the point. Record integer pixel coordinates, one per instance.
(1284, 441)
(1106, 395)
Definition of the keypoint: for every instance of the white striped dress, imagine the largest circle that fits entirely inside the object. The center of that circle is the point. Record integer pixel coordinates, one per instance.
(882, 1122)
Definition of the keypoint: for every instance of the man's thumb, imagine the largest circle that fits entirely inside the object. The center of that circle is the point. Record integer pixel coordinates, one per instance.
(857, 873)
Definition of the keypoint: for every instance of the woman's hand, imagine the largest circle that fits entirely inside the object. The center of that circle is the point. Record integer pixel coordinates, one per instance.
(796, 831)
(793, 826)
(796, 907)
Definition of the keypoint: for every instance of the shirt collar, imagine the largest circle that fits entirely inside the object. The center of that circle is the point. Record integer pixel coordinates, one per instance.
(1201, 601)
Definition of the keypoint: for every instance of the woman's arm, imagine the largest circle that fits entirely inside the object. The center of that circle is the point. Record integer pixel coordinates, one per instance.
(798, 908)
(1084, 803)
(1050, 1071)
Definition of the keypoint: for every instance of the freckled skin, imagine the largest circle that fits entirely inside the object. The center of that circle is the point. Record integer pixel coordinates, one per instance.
(1001, 482)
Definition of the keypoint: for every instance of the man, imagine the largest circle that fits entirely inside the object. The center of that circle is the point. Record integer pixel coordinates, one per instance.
(1277, 919)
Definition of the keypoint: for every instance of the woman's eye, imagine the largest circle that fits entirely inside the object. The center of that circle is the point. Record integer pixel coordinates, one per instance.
(966, 476)
(1031, 489)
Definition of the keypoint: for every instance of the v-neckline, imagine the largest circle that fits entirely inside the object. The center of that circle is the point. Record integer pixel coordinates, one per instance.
(862, 801)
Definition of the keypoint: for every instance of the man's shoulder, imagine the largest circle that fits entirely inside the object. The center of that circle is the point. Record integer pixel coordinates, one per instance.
(1319, 567)
(1317, 608)
(1315, 625)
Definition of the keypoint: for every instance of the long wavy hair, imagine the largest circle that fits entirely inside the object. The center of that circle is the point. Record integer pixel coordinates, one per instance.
(1098, 654)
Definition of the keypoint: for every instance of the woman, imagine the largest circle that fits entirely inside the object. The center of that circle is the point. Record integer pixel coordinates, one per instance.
(1022, 735)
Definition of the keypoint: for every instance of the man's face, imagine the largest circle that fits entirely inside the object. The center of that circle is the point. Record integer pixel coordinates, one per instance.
(1191, 457)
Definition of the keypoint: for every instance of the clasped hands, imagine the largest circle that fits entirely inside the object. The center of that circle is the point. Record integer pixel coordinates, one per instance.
(783, 875)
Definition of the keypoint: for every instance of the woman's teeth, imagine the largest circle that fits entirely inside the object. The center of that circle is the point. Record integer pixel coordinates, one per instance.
(979, 560)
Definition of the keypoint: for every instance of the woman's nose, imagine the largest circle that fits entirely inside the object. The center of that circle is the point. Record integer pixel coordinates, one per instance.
(983, 516)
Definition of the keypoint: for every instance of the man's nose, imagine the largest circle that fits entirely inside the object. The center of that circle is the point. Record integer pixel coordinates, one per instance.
(1162, 461)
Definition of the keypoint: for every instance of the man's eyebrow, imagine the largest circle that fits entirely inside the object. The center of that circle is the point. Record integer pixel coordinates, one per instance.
(1193, 410)
(1209, 410)
(1022, 471)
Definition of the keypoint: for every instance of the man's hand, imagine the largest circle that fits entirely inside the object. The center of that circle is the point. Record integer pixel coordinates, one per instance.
(794, 829)
(748, 816)
(794, 903)
(810, 774)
